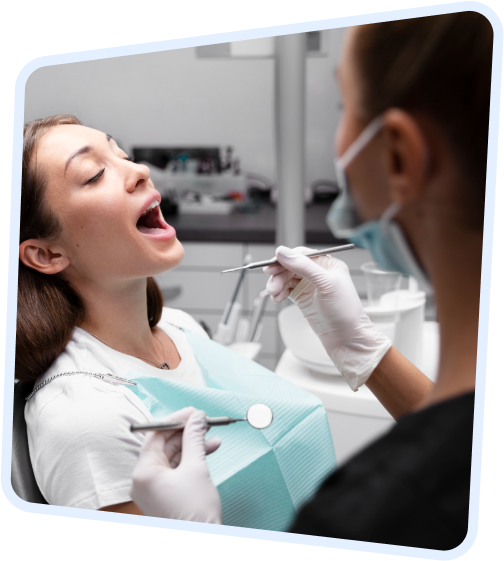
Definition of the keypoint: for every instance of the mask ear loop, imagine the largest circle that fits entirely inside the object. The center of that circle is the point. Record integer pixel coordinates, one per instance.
(390, 212)
(360, 142)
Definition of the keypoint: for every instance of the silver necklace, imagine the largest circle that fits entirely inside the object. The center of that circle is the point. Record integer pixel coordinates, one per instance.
(163, 366)
(107, 377)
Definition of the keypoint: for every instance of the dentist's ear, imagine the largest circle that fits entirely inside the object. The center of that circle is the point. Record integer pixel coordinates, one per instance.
(43, 256)
(408, 156)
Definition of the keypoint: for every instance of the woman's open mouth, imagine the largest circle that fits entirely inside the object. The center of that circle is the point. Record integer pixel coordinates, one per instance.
(151, 223)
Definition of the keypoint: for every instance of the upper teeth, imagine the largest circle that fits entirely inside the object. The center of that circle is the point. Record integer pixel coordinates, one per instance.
(154, 204)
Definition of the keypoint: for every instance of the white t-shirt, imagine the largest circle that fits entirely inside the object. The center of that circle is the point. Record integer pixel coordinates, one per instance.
(81, 447)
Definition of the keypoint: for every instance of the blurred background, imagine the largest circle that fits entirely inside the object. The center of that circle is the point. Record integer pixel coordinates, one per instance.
(188, 97)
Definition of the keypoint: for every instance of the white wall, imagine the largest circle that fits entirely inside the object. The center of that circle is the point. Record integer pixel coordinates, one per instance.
(174, 98)
(322, 109)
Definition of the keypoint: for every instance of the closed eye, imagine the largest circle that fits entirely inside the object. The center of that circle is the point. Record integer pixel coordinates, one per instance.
(95, 178)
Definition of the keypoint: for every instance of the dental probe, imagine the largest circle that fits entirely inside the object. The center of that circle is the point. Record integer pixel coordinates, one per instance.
(274, 261)
(176, 425)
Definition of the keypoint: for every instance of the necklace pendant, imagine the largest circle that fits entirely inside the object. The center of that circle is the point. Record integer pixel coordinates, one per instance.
(165, 366)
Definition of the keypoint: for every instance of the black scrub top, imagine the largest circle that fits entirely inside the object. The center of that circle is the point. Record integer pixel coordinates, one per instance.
(410, 488)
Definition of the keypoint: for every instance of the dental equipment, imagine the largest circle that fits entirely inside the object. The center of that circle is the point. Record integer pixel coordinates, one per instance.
(246, 261)
(274, 261)
(227, 328)
(257, 313)
(259, 416)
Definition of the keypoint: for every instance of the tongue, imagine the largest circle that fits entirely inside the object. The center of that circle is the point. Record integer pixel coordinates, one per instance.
(150, 222)
(147, 230)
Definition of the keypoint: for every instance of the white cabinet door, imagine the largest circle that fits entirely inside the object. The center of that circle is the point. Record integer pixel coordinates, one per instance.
(269, 333)
(199, 290)
(212, 255)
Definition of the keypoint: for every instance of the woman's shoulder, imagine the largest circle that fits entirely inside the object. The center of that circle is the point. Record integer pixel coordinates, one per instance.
(69, 388)
(77, 356)
(82, 403)
(181, 319)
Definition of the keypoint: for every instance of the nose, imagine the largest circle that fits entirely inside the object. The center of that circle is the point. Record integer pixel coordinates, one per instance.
(137, 176)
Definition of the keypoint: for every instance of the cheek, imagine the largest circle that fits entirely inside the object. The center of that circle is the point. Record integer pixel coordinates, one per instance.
(339, 140)
(88, 224)
(345, 135)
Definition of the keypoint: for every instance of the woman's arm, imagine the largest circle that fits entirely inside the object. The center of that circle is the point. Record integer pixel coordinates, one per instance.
(398, 384)
(125, 508)
(324, 292)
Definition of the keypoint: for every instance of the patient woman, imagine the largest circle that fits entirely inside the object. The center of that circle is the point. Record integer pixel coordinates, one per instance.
(92, 237)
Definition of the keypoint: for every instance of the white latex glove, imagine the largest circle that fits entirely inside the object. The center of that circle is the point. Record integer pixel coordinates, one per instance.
(324, 292)
(171, 478)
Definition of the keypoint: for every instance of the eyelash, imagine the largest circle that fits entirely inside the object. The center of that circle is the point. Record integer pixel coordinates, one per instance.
(95, 178)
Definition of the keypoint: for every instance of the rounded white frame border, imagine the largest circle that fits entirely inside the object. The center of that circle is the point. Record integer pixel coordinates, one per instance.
(81, 533)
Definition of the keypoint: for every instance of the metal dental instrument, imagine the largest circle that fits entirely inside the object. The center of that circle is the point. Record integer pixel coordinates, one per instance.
(259, 416)
(274, 261)
(259, 306)
(246, 261)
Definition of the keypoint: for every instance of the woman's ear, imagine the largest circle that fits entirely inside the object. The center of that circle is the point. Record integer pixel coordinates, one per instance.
(43, 256)
(407, 156)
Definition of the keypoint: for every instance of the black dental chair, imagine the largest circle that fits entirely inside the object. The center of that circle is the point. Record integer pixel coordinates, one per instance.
(22, 477)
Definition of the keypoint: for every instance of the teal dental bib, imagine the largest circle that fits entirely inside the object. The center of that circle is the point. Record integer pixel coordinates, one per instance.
(263, 476)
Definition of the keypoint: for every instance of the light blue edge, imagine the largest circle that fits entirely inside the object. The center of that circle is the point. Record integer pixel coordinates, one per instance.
(483, 540)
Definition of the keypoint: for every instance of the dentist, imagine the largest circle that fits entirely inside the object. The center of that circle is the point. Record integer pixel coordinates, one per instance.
(412, 147)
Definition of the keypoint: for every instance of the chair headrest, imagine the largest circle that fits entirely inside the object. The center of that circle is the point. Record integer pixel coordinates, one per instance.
(22, 476)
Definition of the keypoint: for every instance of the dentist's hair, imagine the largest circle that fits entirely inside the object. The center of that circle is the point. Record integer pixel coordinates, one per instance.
(439, 67)
(48, 308)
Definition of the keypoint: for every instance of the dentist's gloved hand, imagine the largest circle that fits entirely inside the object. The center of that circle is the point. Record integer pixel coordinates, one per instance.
(171, 478)
(324, 292)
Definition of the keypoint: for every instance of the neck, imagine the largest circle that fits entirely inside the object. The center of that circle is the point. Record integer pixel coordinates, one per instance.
(118, 315)
(453, 261)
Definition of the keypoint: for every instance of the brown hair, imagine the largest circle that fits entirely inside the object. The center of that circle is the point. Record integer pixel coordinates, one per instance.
(438, 66)
(48, 308)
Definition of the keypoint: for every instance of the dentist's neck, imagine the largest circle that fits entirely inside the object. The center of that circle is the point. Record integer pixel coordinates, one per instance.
(451, 253)
(456, 277)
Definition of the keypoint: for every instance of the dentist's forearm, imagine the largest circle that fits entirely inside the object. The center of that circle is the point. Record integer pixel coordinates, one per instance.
(398, 384)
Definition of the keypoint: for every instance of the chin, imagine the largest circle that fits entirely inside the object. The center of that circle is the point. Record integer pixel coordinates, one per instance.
(172, 257)
(180, 252)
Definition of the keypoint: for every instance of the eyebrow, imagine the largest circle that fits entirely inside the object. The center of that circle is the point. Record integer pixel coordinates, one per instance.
(83, 150)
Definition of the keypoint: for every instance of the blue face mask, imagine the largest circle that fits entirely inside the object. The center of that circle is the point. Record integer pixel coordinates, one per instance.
(382, 237)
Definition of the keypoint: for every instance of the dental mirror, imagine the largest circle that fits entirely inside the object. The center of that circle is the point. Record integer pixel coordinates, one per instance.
(259, 416)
